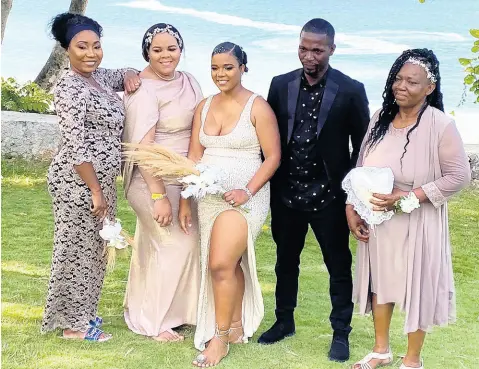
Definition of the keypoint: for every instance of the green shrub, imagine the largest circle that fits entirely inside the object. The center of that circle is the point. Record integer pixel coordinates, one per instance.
(27, 98)
(471, 80)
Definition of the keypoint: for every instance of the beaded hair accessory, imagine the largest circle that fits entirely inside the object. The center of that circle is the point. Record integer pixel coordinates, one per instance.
(225, 50)
(416, 61)
(168, 29)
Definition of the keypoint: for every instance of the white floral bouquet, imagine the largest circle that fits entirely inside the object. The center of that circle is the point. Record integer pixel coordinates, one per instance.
(202, 184)
(116, 239)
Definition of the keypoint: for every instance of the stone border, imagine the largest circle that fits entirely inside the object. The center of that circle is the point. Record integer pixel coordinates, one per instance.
(36, 136)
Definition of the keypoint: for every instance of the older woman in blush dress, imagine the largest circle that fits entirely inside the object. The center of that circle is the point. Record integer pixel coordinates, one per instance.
(407, 260)
(163, 285)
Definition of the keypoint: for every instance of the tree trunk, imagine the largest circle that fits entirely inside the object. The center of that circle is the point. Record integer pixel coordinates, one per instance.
(6, 6)
(58, 59)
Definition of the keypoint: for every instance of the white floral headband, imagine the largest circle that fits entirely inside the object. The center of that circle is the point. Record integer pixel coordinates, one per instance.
(168, 29)
(430, 75)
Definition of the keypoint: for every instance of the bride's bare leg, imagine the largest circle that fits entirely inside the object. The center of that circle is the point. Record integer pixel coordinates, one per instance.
(228, 242)
(237, 324)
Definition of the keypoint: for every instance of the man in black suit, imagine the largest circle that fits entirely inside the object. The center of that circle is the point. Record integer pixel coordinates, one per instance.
(318, 110)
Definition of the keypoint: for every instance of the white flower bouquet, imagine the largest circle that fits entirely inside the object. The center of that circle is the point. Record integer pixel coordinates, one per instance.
(116, 239)
(207, 182)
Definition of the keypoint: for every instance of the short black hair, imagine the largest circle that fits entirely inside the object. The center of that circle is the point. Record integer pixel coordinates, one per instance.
(320, 27)
(62, 22)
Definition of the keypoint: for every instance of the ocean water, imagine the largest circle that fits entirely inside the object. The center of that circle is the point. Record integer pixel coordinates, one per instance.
(370, 35)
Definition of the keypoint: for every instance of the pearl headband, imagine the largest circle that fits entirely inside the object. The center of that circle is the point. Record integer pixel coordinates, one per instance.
(416, 61)
(168, 29)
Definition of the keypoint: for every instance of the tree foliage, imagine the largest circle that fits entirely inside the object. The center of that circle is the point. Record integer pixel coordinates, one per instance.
(471, 66)
(27, 98)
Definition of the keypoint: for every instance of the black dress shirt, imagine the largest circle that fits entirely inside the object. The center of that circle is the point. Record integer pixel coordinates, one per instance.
(308, 187)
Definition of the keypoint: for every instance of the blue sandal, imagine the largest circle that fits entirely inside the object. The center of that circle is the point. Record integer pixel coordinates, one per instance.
(93, 334)
(97, 323)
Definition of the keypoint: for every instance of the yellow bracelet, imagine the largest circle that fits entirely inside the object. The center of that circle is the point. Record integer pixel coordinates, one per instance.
(158, 196)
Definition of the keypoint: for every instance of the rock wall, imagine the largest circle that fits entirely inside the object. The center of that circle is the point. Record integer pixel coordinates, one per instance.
(28, 135)
(36, 136)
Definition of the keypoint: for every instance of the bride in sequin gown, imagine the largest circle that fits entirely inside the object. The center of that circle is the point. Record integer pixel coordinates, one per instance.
(230, 130)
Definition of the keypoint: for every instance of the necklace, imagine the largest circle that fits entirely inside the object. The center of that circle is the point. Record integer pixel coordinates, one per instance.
(161, 77)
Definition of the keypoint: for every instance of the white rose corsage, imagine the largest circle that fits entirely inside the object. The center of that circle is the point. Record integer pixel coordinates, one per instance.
(116, 239)
(406, 204)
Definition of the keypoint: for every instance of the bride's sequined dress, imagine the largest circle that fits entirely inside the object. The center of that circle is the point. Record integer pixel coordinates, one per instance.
(238, 154)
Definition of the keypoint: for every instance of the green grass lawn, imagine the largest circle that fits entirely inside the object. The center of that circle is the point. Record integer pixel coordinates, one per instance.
(27, 230)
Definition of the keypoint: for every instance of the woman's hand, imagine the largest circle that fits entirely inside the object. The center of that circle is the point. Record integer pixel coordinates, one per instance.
(386, 202)
(184, 215)
(131, 82)
(357, 226)
(236, 197)
(162, 212)
(99, 206)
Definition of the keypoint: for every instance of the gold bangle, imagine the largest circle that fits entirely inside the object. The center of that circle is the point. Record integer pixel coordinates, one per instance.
(158, 196)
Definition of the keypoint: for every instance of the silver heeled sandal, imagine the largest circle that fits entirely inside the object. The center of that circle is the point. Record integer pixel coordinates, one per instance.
(201, 358)
(241, 338)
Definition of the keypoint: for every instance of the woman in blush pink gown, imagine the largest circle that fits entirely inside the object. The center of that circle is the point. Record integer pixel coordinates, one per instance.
(163, 284)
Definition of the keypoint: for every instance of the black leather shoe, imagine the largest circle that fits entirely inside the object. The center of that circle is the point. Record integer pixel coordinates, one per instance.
(339, 350)
(279, 331)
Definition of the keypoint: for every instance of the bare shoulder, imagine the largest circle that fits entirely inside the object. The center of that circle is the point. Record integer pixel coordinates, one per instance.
(260, 105)
(199, 107)
(261, 111)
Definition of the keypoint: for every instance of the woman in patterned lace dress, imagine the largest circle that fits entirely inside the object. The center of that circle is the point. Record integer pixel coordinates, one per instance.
(81, 177)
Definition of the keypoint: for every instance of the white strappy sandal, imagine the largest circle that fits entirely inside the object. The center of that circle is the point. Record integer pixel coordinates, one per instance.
(410, 367)
(240, 338)
(364, 363)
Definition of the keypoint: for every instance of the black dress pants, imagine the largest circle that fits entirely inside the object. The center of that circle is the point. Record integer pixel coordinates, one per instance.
(289, 228)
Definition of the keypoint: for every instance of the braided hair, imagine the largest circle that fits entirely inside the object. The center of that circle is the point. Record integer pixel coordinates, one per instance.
(390, 108)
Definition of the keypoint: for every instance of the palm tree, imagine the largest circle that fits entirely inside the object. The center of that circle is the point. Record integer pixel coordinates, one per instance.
(6, 6)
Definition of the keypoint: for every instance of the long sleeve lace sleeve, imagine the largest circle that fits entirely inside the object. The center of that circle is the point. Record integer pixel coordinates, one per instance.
(114, 78)
(456, 172)
(70, 106)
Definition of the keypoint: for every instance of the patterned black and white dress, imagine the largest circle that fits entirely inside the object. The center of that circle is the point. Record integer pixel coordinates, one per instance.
(91, 124)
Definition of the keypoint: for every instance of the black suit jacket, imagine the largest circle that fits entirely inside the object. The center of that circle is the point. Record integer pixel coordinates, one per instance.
(344, 114)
